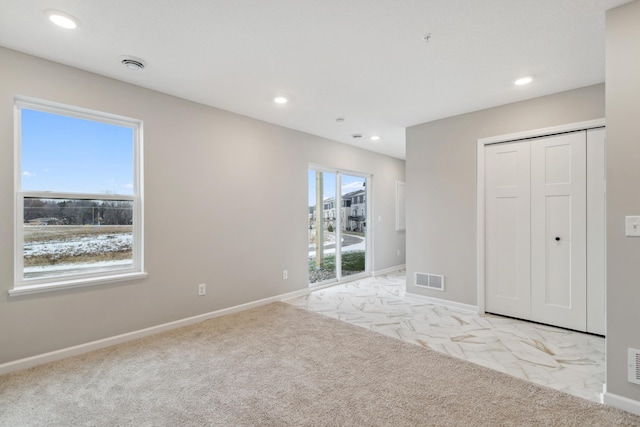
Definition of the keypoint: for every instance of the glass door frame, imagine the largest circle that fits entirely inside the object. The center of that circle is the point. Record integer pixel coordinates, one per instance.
(338, 223)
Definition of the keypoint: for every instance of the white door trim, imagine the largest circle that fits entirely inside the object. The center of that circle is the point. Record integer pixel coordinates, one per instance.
(480, 193)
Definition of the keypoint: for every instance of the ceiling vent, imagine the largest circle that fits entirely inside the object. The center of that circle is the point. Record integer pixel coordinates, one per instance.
(133, 64)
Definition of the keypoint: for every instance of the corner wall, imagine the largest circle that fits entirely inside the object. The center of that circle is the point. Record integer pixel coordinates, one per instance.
(623, 197)
(441, 183)
(225, 205)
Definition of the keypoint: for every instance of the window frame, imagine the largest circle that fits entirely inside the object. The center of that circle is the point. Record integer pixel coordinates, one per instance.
(24, 286)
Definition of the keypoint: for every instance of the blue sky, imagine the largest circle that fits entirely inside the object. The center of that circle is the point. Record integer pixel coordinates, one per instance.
(349, 184)
(68, 154)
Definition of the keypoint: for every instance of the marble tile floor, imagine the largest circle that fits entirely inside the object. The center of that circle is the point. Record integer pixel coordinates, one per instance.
(565, 360)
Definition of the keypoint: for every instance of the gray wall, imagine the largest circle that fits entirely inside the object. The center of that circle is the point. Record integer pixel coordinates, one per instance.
(225, 205)
(623, 197)
(441, 182)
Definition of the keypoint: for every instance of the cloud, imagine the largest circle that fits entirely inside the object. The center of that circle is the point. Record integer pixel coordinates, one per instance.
(27, 173)
(352, 186)
(128, 186)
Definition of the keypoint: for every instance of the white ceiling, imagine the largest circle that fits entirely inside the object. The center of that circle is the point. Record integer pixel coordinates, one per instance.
(363, 60)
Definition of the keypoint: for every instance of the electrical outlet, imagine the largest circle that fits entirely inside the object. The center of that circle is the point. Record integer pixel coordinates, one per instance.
(285, 274)
(202, 289)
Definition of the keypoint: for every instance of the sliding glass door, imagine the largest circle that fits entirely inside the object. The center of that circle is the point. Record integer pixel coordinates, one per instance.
(354, 225)
(337, 225)
(322, 226)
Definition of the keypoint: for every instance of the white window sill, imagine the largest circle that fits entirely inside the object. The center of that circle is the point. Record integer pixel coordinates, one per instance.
(74, 283)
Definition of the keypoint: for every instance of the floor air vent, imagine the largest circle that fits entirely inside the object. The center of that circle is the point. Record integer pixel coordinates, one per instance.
(431, 281)
(634, 366)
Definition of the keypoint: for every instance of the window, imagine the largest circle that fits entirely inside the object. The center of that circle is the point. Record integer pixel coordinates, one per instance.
(78, 184)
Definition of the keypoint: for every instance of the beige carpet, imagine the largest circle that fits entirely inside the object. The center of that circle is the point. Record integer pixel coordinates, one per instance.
(279, 365)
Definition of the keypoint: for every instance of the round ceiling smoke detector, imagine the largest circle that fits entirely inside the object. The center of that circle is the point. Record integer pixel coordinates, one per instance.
(132, 63)
(356, 136)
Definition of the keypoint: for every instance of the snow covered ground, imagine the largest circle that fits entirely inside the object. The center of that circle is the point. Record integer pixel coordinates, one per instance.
(47, 252)
(90, 245)
(361, 246)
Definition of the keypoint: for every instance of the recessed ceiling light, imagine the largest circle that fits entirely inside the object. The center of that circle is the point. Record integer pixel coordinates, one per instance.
(523, 81)
(375, 138)
(62, 19)
(280, 100)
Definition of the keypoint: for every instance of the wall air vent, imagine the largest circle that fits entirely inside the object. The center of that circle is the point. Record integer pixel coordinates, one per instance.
(430, 281)
(634, 366)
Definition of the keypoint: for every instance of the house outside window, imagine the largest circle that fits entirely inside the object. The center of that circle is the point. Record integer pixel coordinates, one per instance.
(78, 185)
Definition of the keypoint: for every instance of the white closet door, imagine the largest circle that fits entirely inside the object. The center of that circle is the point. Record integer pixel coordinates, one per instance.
(558, 230)
(507, 237)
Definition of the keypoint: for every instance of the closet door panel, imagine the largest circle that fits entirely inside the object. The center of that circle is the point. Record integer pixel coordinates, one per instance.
(507, 237)
(558, 230)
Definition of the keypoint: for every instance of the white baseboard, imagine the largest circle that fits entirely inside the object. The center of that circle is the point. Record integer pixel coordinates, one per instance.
(438, 301)
(52, 356)
(389, 270)
(620, 402)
